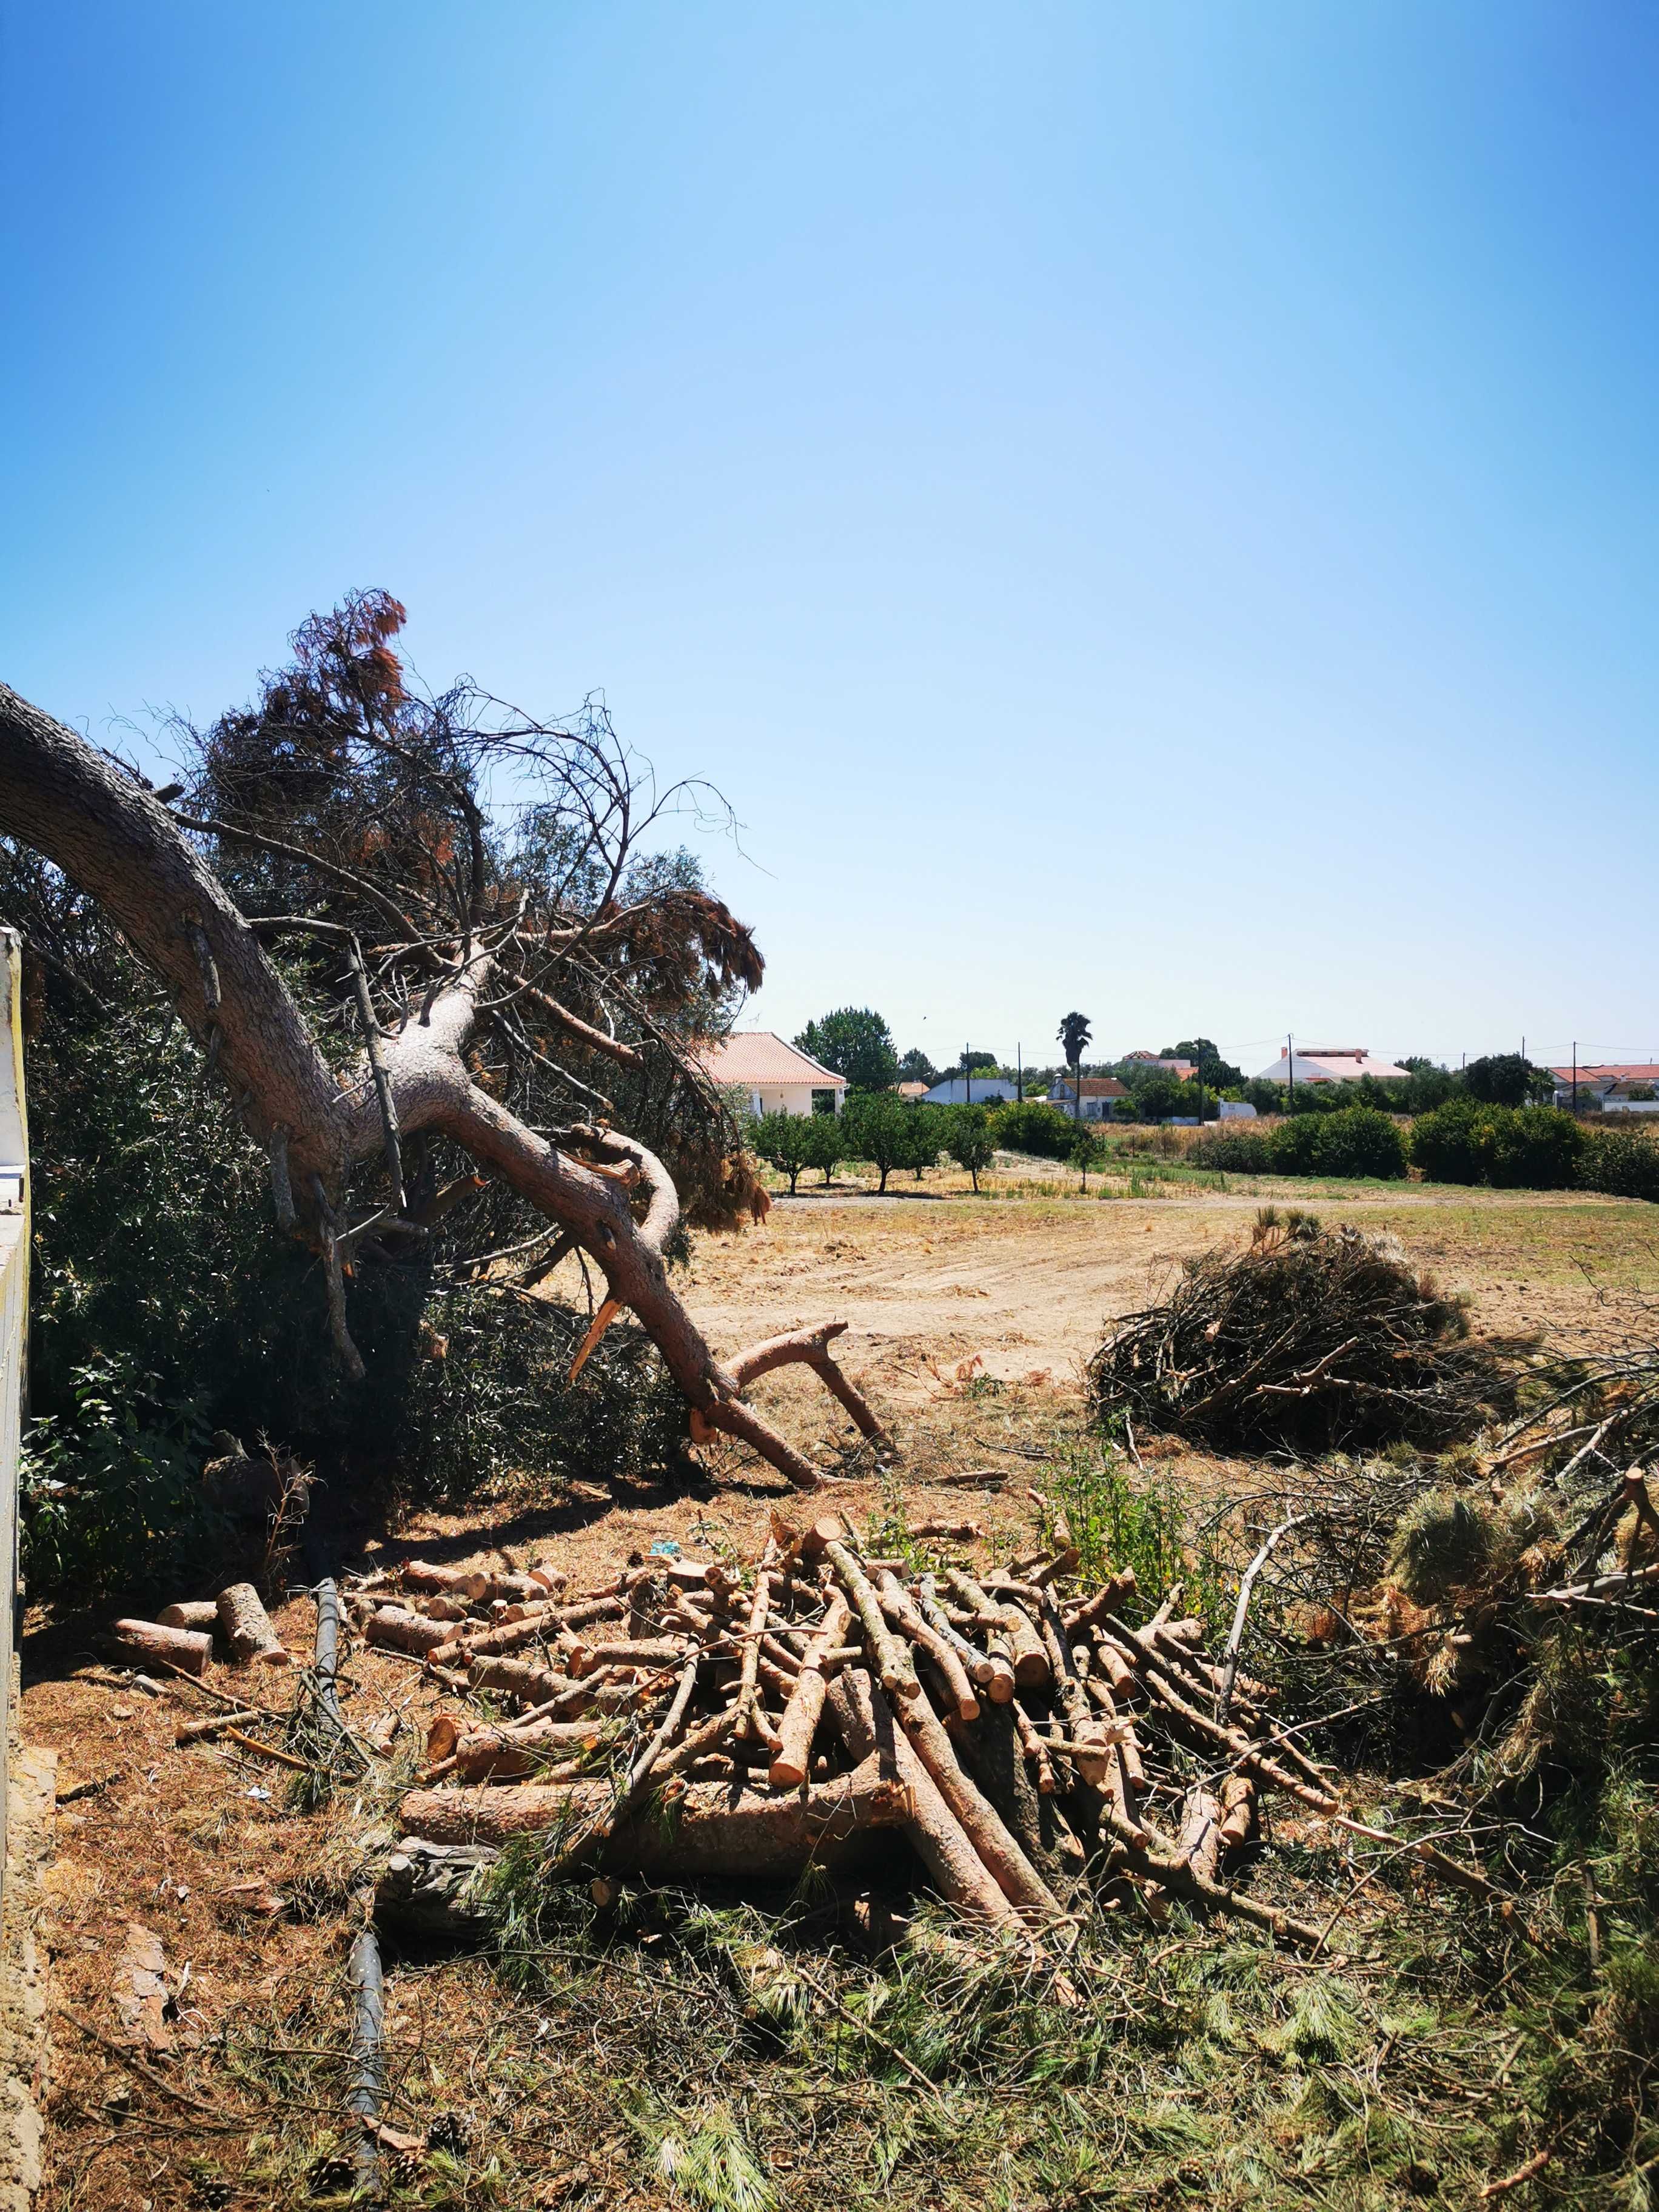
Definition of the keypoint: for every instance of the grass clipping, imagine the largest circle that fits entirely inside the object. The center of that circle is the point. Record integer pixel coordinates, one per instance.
(1311, 1341)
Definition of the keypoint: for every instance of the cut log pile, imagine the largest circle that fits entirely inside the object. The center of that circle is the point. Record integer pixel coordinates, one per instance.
(688, 1717)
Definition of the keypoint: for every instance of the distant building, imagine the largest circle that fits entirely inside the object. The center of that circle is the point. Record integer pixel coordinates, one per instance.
(975, 1090)
(779, 1077)
(1332, 1064)
(1098, 1093)
(1182, 1070)
(1610, 1087)
(1235, 1109)
(911, 1089)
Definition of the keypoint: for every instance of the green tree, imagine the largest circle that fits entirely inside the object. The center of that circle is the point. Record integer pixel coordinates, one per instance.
(878, 1126)
(1158, 1097)
(826, 1143)
(1031, 1125)
(1217, 1073)
(1501, 1078)
(924, 1135)
(970, 1062)
(785, 1141)
(970, 1140)
(1074, 1033)
(857, 1043)
(1088, 1150)
(916, 1067)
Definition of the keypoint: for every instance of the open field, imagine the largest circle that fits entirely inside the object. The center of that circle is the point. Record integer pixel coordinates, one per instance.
(1207, 2073)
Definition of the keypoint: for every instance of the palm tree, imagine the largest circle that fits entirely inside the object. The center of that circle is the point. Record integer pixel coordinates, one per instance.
(1074, 1034)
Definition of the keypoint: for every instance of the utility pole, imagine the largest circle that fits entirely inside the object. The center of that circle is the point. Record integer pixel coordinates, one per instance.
(967, 1076)
(1574, 1075)
(1290, 1061)
(1019, 1074)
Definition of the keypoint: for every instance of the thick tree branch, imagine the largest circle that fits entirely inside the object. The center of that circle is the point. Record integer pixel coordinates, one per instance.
(123, 848)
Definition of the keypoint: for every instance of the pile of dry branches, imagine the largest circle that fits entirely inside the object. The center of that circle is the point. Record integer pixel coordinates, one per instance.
(1311, 1340)
(686, 1719)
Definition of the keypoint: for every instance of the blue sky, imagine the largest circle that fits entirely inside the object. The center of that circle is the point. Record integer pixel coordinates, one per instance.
(1148, 508)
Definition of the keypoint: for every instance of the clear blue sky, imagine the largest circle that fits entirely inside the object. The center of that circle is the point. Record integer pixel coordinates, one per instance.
(1150, 509)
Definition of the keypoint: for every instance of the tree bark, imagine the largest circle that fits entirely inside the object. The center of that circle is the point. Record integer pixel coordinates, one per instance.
(107, 833)
(247, 1627)
(187, 1649)
(706, 1830)
(867, 1729)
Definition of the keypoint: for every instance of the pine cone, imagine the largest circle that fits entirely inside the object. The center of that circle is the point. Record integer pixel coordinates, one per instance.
(208, 2193)
(451, 2132)
(329, 2173)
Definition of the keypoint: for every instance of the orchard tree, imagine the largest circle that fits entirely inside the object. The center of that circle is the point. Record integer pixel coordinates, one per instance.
(492, 974)
(1088, 1150)
(784, 1142)
(880, 1128)
(857, 1043)
(825, 1141)
(970, 1141)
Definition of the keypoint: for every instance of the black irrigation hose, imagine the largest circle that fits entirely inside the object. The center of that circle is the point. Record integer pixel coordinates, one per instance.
(325, 1680)
(363, 1967)
(368, 2053)
(327, 1597)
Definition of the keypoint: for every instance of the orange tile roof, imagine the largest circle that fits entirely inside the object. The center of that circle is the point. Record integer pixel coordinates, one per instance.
(1628, 1071)
(756, 1056)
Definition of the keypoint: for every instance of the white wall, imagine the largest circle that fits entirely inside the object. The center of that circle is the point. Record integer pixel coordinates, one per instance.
(788, 1097)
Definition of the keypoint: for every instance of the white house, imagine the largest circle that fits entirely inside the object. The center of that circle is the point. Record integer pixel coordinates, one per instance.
(779, 1077)
(1617, 1089)
(1099, 1094)
(971, 1089)
(1332, 1064)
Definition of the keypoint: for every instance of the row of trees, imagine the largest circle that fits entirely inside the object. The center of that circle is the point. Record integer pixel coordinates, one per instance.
(877, 1127)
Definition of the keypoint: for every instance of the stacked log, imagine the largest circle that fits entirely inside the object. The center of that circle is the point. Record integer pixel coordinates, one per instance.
(1019, 1729)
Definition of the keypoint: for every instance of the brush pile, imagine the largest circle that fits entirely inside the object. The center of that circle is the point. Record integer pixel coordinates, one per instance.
(1311, 1340)
(1515, 1582)
(687, 1719)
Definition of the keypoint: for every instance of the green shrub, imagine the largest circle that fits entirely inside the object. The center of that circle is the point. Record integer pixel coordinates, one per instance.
(1446, 1143)
(1235, 1152)
(1511, 1147)
(1360, 1141)
(1033, 1126)
(1531, 1147)
(1621, 1162)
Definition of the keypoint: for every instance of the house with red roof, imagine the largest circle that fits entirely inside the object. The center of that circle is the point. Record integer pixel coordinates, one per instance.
(778, 1078)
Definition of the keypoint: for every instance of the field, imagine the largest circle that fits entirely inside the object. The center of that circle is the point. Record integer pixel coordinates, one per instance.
(634, 2058)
